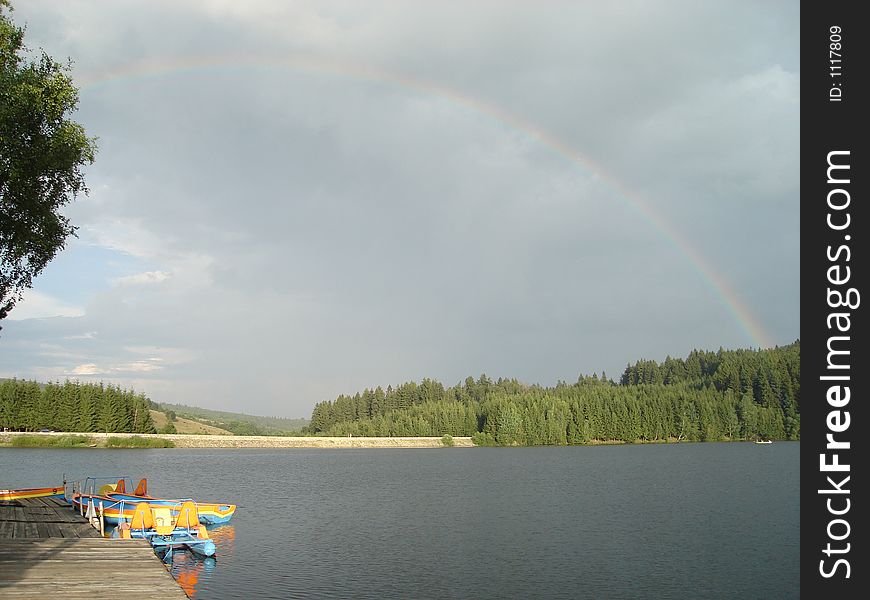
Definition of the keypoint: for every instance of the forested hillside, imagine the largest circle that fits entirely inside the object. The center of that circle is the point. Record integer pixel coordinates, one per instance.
(72, 406)
(724, 395)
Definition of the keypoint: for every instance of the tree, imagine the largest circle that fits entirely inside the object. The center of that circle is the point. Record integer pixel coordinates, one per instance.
(41, 155)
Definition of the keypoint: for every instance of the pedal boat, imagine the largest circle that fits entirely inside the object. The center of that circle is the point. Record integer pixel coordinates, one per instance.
(166, 532)
(118, 506)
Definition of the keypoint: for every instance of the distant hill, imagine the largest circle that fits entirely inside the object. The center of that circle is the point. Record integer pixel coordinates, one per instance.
(73, 406)
(237, 423)
(183, 425)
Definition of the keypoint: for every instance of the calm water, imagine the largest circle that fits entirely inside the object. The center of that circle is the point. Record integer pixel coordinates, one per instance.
(676, 521)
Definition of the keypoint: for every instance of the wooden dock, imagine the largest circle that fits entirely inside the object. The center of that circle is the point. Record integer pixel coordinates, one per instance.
(42, 518)
(47, 549)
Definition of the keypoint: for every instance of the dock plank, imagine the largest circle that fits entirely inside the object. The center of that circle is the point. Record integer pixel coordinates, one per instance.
(42, 529)
(30, 529)
(54, 530)
(84, 568)
(30, 517)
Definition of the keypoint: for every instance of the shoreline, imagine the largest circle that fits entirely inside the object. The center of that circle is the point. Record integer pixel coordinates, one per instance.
(188, 440)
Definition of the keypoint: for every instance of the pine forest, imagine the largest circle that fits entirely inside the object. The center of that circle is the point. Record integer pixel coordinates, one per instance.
(72, 406)
(708, 396)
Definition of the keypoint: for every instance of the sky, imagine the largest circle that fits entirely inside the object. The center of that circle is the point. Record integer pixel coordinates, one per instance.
(294, 200)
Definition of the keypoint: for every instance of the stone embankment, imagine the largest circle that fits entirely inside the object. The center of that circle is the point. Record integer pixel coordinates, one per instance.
(270, 441)
(267, 441)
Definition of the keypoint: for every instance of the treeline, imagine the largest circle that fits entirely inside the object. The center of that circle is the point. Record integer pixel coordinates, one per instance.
(724, 395)
(72, 406)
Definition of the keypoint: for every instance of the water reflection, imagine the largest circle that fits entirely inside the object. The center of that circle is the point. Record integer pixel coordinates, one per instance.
(639, 521)
(192, 572)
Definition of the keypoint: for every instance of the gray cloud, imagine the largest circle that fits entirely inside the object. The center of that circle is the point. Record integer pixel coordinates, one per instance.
(338, 195)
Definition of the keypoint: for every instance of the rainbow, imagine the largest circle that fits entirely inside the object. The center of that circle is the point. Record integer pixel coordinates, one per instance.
(715, 282)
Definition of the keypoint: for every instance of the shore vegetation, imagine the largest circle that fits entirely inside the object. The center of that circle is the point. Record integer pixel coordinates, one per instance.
(85, 441)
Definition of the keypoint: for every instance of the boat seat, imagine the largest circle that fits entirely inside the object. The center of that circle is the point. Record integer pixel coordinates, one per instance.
(120, 487)
(142, 488)
(142, 517)
(187, 516)
(162, 520)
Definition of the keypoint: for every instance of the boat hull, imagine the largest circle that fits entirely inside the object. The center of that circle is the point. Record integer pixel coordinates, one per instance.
(44, 492)
(208, 512)
(178, 539)
(119, 508)
(185, 540)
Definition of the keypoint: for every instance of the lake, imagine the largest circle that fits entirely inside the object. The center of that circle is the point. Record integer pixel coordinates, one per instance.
(712, 520)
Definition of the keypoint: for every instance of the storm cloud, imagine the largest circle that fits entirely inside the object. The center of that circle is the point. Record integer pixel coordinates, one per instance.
(297, 200)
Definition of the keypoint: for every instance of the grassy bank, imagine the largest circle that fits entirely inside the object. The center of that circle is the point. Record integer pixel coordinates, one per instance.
(84, 441)
(135, 441)
(40, 441)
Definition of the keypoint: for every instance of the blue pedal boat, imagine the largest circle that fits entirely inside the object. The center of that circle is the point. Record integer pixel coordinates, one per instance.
(166, 532)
